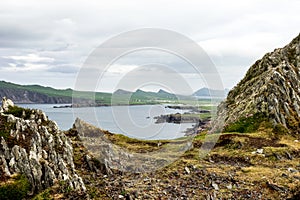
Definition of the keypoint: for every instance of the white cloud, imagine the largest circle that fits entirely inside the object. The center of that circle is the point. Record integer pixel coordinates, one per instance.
(119, 70)
(30, 67)
(30, 58)
(53, 36)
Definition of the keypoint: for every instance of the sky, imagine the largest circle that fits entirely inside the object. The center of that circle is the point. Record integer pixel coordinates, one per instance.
(47, 42)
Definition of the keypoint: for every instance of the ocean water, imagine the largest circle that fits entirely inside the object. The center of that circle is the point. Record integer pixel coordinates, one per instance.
(133, 121)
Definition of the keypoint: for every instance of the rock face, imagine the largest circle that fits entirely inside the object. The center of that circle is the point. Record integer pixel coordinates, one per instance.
(6, 103)
(271, 87)
(34, 146)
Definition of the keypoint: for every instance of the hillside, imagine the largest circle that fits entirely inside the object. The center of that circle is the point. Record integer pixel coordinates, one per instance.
(270, 91)
(34, 93)
(41, 94)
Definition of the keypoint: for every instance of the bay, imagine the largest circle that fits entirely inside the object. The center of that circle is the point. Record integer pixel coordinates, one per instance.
(133, 121)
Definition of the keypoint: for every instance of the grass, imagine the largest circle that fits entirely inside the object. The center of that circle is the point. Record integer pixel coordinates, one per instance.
(19, 112)
(15, 188)
(5, 127)
(230, 162)
(247, 124)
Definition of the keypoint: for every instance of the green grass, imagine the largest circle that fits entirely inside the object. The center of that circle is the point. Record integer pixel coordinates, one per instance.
(247, 124)
(5, 127)
(18, 112)
(45, 195)
(16, 189)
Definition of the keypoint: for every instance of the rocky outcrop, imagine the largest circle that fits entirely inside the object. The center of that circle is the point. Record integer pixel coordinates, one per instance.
(270, 88)
(6, 103)
(34, 146)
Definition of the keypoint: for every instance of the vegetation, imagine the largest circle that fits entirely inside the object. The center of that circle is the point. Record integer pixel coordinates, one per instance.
(19, 112)
(15, 188)
(247, 124)
(138, 97)
(5, 127)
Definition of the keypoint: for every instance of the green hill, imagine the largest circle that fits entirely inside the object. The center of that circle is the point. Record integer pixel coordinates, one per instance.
(41, 94)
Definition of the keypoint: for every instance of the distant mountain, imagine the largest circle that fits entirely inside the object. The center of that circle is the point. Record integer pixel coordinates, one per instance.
(206, 92)
(122, 92)
(160, 95)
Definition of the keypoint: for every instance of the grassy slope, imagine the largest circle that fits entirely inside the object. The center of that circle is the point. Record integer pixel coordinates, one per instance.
(231, 170)
(231, 165)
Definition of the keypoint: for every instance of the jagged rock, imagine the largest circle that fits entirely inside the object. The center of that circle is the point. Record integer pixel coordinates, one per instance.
(271, 87)
(38, 150)
(11, 119)
(6, 103)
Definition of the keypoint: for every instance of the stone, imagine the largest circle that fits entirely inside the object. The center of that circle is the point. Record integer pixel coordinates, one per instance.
(229, 187)
(215, 186)
(259, 151)
(6, 103)
(292, 170)
(4, 167)
(187, 170)
(11, 119)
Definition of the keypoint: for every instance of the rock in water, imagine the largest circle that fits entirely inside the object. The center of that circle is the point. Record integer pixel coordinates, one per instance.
(269, 90)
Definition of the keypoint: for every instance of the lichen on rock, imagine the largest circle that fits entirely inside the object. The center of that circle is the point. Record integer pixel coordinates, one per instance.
(36, 148)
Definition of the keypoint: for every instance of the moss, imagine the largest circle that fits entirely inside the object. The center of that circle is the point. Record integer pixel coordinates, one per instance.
(279, 129)
(15, 189)
(248, 124)
(18, 112)
(45, 195)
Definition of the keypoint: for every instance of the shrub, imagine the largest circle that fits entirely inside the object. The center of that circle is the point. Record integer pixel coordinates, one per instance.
(18, 112)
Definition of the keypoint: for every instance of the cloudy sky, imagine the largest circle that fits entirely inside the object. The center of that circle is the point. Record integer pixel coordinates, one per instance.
(47, 42)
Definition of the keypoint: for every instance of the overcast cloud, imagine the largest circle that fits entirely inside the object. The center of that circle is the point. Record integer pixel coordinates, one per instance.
(46, 42)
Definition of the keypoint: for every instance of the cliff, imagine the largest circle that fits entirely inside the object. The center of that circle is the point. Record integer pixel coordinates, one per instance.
(270, 91)
(26, 96)
(33, 145)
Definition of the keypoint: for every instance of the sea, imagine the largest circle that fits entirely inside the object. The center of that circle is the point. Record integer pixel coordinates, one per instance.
(133, 121)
